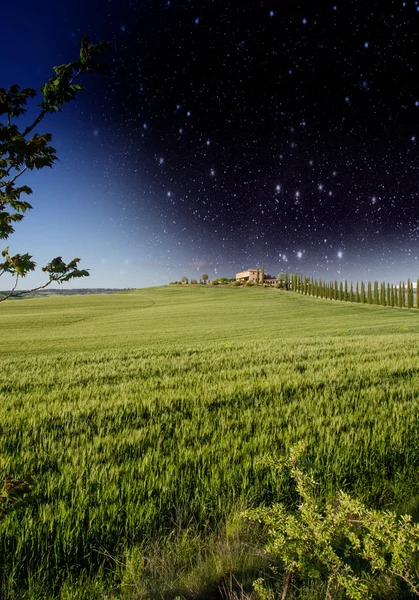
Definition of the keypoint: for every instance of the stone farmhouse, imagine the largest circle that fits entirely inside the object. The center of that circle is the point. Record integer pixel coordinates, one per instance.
(252, 275)
(249, 275)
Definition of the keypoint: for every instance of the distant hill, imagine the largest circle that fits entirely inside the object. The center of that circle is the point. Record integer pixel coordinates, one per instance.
(65, 292)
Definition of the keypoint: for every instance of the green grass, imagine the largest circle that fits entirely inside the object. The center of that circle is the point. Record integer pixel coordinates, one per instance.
(146, 412)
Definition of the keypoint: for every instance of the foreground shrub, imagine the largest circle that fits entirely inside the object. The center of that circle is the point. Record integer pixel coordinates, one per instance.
(343, 544)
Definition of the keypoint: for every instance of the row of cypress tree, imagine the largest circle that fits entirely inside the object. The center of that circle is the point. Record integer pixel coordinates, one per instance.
(380, 293)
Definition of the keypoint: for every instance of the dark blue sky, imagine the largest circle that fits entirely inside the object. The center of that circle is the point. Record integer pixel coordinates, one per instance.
(226, 136)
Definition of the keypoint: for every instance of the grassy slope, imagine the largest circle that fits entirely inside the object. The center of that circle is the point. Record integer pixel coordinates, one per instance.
(142, 410)
(161, 316)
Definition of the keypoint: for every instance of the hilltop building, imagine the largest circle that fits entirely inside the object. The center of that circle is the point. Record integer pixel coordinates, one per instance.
(249, 275)
(252, 275)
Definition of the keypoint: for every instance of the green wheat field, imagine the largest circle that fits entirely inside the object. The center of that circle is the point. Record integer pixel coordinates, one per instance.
(146, 413)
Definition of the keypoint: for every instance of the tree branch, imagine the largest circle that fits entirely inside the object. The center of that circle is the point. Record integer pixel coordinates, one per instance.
(287, 581)
(11, 182)
(35, 123)
(41, 287)
(44, 111)
(11, 291)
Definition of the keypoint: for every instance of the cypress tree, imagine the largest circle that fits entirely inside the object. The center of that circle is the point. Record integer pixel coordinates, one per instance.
(409, 294)
(340, 291)
(263, 275)
(357, 291)
(346, 291)
(257, 276)
(375, 292)
(352, 292)
(383, 294)
(388, 295)
(287, 280)
(362, 292)
(401, 294)
(412, 300)
(392, 298)
(396, 296)
(369, 293)
(336, 291)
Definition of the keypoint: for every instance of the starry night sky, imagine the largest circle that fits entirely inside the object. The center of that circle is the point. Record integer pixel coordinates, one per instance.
(227, 136)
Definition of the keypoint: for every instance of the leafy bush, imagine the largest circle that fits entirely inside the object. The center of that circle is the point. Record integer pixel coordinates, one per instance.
(342, 543)
(224, 280)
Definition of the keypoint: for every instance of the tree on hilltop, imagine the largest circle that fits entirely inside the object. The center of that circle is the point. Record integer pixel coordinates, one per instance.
(24, 150)
(204, 277)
